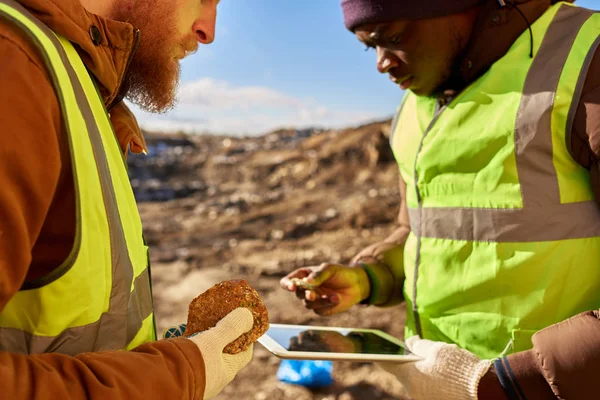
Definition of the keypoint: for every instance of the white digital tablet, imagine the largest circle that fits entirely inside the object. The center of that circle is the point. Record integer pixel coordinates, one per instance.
(303, 342)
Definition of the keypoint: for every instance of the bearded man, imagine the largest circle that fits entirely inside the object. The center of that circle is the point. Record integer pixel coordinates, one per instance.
(74, 270)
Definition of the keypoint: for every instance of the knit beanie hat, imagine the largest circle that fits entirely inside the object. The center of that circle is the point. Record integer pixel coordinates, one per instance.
(360, 12)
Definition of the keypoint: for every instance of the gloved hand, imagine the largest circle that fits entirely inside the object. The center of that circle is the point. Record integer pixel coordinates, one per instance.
(220, 368)
(445, 372)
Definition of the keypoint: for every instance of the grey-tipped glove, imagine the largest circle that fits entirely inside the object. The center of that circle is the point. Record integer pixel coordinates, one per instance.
(220, 368)
(445, 372)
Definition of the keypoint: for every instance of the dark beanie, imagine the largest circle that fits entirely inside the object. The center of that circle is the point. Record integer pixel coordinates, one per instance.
(360, 12)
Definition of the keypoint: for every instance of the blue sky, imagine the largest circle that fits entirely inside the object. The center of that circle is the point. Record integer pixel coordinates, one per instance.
(280, 63)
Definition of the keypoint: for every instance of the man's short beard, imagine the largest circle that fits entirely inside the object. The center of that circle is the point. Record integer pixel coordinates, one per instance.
(152, 87)
(152, 78)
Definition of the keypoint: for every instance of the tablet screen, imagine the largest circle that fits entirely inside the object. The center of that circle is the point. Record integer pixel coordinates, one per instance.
(338, 341)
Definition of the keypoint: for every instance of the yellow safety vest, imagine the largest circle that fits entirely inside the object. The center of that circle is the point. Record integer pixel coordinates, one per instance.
(100, 297)
(505, 230)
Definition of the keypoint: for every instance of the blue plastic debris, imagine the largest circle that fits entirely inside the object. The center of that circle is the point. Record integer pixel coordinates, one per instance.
(306, 373)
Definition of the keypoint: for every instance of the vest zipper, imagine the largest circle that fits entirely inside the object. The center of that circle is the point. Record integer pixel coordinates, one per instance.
(415, 310)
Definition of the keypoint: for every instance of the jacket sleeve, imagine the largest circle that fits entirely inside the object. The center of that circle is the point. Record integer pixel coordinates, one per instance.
(585, 136)
(563, 364)
(384, 261)
(30, 164)
(166, 369)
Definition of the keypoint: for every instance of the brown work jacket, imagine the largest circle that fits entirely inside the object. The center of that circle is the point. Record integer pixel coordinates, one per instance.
(37, 211)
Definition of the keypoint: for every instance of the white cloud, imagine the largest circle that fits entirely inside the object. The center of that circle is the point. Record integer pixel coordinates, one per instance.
(221, 95)
(209, 105)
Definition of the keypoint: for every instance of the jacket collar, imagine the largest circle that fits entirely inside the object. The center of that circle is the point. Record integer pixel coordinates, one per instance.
(106, 53)
(108, 60)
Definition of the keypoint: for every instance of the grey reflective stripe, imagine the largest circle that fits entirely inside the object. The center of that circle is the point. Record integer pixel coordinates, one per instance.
(117, 327)
(543, 217)
(85, 338)
(533, 129)
(140, 304)
(112, 329)
(537, 224)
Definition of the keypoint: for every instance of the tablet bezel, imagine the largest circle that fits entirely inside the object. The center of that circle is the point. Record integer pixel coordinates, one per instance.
(278, 350)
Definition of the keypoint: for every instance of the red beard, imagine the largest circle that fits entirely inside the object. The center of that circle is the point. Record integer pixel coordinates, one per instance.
(153, 75)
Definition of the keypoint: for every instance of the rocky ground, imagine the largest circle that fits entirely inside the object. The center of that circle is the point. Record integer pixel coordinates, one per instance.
(217, 208)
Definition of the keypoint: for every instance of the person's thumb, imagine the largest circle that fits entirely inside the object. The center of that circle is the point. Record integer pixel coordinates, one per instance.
(322, 274)
(422, 347)
(236, 323)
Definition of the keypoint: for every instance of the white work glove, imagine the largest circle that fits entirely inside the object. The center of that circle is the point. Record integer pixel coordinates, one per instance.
(220, 368)
(445, 372)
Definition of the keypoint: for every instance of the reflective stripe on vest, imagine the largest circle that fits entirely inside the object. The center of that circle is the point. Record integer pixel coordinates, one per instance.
(100, 297)
(505, 231)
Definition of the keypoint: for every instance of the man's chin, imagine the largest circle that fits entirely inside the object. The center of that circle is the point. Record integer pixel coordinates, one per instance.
(420, 92)
(156, 100)
(154, 89)
(432, 91)
(423, 92)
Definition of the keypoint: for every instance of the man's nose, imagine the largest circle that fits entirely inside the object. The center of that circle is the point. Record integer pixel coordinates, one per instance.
(204, 26)
(385, 60)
